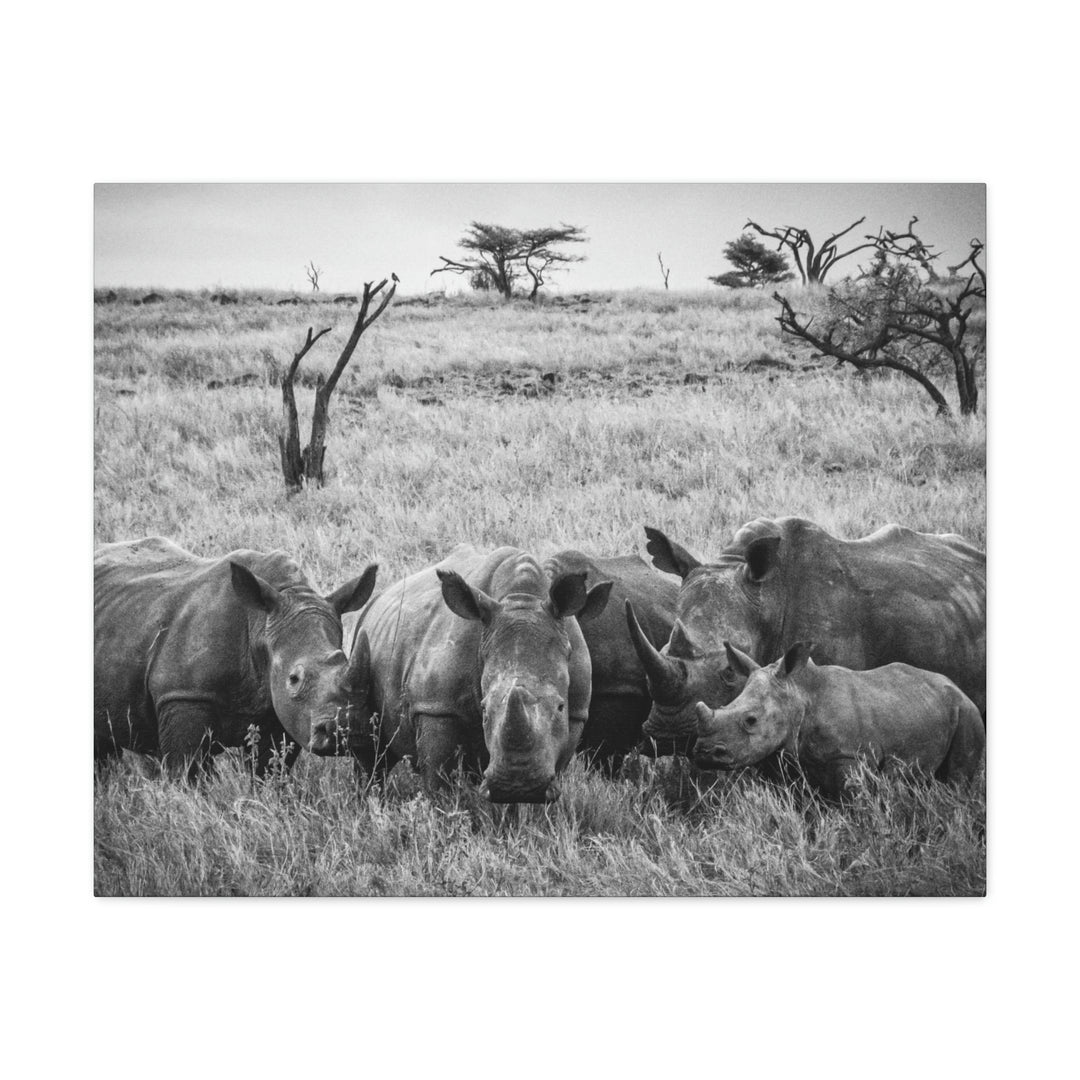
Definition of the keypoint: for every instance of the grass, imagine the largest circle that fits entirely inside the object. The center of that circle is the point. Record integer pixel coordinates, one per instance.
(621, 443)
(660, 832)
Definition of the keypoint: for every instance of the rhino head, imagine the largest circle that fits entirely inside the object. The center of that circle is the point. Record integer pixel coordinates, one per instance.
(311, 684)
(728, 600)
(524, 660)
(679, 675)
(761, 720)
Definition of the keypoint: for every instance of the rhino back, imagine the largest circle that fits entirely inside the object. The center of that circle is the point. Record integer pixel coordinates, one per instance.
(896, 595)
(167, 623)
(423, 656)
(893, 712)
(135, 596)
(928, 604)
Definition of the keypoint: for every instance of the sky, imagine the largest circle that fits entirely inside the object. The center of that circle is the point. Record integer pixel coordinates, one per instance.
(194, 236)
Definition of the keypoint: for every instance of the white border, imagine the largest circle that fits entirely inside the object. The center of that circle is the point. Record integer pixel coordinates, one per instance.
(827, 92)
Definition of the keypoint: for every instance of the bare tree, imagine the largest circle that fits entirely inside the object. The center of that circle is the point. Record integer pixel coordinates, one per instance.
(812, 262)
(503, 255)
(300, 467)
(663, 270)
(906, 245)
(313, 273)
(899, 315)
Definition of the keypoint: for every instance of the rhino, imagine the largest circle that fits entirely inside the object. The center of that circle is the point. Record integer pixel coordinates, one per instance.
(189, 652)
(620, 692)
(826, 718)
(480, 656)
(894, 596)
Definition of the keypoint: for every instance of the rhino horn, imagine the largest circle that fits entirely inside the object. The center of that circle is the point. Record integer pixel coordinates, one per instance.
(518, 730)
(680, 643)
(665, 675)
(359, 670)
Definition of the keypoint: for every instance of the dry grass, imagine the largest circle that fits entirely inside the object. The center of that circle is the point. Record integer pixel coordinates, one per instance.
(659, 833)
(588, 469)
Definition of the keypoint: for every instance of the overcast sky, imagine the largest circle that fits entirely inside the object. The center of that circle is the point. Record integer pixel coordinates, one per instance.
(261, 235)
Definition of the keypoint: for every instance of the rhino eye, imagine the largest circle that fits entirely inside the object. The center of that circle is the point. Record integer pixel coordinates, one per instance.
(750, 721)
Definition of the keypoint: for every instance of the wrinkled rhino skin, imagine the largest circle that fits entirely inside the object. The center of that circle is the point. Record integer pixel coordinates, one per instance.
(620, 690)
(188, 652)
(481, 656)
(894, 596)
(826, 718)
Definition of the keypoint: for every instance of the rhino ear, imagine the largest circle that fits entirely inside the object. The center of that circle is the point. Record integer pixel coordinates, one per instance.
(668, 556)
(252, 589)
(740, 663)
(596, 601)
(795, 659)
(762, 557)
(354, 594)
(567, 595)
(465, 601)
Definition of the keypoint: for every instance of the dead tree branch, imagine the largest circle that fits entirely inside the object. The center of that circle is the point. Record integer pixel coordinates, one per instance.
(663, 270)
(899, 314)
(873, 354)
(905, 245)
(289, 439)
(307, 466)
(812, 262)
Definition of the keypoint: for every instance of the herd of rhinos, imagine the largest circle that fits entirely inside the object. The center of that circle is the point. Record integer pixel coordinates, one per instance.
(791, 647)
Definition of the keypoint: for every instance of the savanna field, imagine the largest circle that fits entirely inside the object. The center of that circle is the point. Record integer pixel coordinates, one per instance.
(570, 423)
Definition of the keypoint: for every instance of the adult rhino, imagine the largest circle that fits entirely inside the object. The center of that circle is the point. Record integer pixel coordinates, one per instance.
(480, 655)
(189, 652)
(620, 692)
(828, 718)
(894, 596)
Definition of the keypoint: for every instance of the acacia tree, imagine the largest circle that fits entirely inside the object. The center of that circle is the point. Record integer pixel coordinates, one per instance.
(812, 261)
(502, 256)
(313, 273)
(900, 315)
(755, 265)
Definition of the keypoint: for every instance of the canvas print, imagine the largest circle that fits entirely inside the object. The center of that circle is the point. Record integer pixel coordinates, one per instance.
(539, 540)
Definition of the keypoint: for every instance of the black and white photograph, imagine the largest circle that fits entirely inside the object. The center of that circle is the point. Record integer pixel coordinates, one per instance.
(541, 503)
(484, 539)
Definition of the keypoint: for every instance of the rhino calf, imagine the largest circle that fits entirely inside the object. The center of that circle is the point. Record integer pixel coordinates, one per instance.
(828, 717)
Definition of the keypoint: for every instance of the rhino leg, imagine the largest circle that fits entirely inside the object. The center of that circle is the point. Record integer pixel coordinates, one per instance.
(968, 744)
(185, 732)
(839, 780)
(437, 744)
